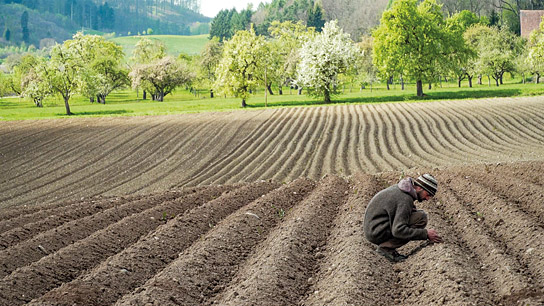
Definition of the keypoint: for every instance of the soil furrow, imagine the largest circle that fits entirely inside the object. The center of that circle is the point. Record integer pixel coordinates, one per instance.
(35, 130)
(315, 170)
(364, 154)
(278, 272)
(30, 225)
(350, 272)
(342, 165)
(502, 270)
(450, 138)
(54, 239)
(521, 123)
(376, 154)
(62, 147)
(435, 147)
(330, 161)
(441, 274)
(294, 152)
(70, 170)
(273, 152)
(354, 162)
(253, 140)
(400, 137)
(525, 195)
(515, 228)
(151, 253)
(33, 281)
(113, 164)
(167, 173)
(325, 122)
(386, 138)
(206, 267)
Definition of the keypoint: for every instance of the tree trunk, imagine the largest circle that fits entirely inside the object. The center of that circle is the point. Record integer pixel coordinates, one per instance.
(244, 103)
(459, 82)
(269, 88)
(401, 82)
(497, 81)
(419, 85)
(280, 90)
(145, 95)
(469, 81)
(500, 78)
(211, 93)
(66, 99)
(91, 99)
(327, 97)
(430, 86)
(480, 79)
(300, 91)
(537, 78)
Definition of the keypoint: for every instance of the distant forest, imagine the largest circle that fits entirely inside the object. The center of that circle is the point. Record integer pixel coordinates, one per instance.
(120, 16)
(358, 17)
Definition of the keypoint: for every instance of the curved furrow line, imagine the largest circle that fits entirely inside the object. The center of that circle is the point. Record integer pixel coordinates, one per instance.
(11, 218)
(166, 172)
(330, 152)
(523, 123)
(526, 196)
(25, 164)
(28, 226)
(342, 165)
(449, 134)
(54, 239)
(141, 258)
(134, 159)
(426, 137)
(438, 146)
(277, 272)
(445, 274)
(350, 272)
(365, 132)
(273, 152)
(261, 150)
(534, 111)
(387, 138)
(354, 163)
(66, 264)
(292, 155)
(401, 136)
(374, 154)
(208, 265)
(495, 261)
(295, 168)
(168, 146)
(268, 128)
(480, 126)
(501, 126)
(460, 130)
(325, 122)
(514, 227)
(472, 132)
(78, 168)
(34, 132)
(315, 170)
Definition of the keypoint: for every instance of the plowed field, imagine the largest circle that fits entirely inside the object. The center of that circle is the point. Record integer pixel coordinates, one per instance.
(266, 207)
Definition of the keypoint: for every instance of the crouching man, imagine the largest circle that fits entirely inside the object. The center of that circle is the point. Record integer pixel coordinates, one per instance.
(392, 220)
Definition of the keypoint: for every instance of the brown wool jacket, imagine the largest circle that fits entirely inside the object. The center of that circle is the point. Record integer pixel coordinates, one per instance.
(388, 213)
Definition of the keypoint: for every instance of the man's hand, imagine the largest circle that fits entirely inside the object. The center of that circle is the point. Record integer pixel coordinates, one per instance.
(433, 236)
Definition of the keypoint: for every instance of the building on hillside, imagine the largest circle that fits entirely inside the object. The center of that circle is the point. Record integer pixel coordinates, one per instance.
(530, 20)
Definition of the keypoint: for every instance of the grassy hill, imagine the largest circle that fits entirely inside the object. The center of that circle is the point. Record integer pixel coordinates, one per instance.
(175, 44)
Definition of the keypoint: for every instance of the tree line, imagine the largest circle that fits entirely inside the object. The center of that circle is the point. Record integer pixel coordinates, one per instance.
(413, 43)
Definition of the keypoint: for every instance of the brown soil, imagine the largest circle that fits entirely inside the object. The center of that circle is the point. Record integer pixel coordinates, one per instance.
(102, 212)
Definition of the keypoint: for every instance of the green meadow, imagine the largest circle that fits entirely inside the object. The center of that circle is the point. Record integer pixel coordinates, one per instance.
(175, 44)
(129, 103)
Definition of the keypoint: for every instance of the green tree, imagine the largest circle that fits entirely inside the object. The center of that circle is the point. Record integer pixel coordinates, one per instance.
(33, 84)
(315, 17)
(412, 41)
(146, 52)
(24, 27)
(241, 64)
(221, 25)
(323, 58)
(209, 59)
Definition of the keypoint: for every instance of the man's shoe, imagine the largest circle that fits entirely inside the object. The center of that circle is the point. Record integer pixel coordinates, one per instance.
(391, 254)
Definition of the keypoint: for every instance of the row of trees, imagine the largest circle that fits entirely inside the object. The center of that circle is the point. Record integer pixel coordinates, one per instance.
(413, 42)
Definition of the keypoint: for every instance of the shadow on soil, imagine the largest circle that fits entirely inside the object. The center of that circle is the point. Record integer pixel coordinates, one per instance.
(409, 96)
(99, 113)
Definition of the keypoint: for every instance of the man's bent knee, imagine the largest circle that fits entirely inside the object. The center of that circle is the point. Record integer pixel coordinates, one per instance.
(418, 219)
